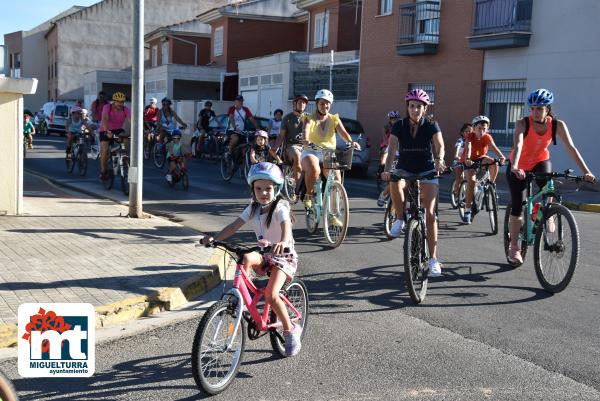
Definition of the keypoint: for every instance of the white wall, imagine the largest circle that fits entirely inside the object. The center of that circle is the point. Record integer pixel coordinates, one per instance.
(563, 56)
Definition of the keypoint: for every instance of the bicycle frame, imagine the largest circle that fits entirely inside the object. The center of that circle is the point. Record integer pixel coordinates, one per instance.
(542, 196)
(248, 296)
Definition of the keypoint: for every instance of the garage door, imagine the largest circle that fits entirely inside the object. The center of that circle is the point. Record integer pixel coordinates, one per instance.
(270, 99)
(251, 100)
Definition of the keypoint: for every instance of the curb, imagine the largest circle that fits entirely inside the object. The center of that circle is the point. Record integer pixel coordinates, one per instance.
(583, 207)
(164, 299)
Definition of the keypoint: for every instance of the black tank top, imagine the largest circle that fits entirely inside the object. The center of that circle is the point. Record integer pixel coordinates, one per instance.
(416, 155)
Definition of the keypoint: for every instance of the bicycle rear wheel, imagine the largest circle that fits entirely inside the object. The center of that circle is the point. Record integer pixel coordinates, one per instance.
(454, 198)
(7, 390)
(336, 199)
(507, 238)
(109, 178)
(70, 161)
(415, 264)
(125, 177)
(492, 207)
(556, 248)
(388, 220)
(297, 294)
(214, 364)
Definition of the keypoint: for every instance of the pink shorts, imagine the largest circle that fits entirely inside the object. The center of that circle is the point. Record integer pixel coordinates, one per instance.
(286, 262)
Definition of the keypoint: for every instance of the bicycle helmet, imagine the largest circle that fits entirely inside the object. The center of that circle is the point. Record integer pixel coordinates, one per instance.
(239, 97)
(84, 111)
(207, 103)
(166, 100)
(301, 96)
(261, 133)
(479, 119)
(540, 97)
(418, 94)
(325, 95)
(393, 114)
(153, 100)
(75, 109)
(118, 97)
(266, 171)
(176, 133)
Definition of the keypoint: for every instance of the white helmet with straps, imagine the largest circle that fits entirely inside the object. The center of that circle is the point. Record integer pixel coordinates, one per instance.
(324, 94)
(479, 119)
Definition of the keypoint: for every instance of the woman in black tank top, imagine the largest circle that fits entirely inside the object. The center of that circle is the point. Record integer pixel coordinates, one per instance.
(421, 147)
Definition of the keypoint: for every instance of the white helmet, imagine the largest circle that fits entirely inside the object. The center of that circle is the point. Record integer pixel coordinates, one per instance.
(324, 94)
(479, 119)
(153, 100)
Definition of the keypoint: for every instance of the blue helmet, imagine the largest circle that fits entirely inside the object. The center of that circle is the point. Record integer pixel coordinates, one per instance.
(176, 133)
(540, 97)
(266, 171)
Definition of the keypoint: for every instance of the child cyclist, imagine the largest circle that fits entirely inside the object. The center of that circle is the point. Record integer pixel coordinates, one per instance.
(261, 151)
(28, 129)
(176, 153)
(271, 219)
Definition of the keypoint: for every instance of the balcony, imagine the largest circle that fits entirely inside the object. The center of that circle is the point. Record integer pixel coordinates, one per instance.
(501, 24)
(419, 28)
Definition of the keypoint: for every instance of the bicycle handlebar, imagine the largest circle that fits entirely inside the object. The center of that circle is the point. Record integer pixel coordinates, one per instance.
(240, 251)
(419, 177)
(480, 163)
(568, 174)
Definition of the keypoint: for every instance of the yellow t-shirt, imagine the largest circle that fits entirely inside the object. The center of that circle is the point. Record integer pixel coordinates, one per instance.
(322, 134)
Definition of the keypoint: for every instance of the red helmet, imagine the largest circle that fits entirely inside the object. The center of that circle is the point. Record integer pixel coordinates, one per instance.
(418, 94)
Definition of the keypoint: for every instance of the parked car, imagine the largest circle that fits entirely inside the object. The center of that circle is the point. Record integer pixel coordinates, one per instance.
(57, 119)
(361, 159)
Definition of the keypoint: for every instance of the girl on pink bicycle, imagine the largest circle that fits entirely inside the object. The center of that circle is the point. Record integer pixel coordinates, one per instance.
(271, 219)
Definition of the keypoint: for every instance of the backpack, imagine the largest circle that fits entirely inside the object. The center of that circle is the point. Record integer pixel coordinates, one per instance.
(554, 127)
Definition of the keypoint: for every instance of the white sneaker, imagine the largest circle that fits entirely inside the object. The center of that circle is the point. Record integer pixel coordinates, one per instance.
(381, 200)
(169, 178)
(435, 268)
(397, 227)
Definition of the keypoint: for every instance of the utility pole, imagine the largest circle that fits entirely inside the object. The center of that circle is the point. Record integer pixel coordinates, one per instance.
(136, 168)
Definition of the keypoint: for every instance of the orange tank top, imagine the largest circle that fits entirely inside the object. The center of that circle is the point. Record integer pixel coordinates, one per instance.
(535, 146)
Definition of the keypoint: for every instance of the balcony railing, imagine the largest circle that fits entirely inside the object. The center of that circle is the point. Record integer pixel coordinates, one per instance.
(419, 28)
(501, 23)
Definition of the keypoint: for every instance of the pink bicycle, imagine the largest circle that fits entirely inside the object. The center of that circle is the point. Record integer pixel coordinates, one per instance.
(220, 338)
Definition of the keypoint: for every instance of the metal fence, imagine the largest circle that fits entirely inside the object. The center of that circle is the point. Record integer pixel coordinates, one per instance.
(504, 104)
(419, 22)
(339, 73)
(497, 16)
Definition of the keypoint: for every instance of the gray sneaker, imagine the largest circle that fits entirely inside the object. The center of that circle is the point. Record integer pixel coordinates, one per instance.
(292, 340)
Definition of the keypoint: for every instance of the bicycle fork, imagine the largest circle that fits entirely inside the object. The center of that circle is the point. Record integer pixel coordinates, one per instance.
(233, 293)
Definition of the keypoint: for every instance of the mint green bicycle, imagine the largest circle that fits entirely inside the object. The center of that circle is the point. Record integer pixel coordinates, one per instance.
(331, 202)
(551, 228)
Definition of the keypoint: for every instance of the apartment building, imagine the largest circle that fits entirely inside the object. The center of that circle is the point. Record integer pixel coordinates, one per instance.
(410, 44)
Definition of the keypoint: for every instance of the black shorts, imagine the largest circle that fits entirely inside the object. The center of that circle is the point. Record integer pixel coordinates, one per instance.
(104, 136)
(518, 187)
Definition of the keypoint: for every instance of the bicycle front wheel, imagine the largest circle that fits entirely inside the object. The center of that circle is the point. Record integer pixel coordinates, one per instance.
(297, 294)
(336, 214)
(289, 186)
(83, 162)
(492, 208)
(159, 155)
(415, 262)
(556, 249)
(214, 363)
(125, 177)
(226, 167)
(454, 197)
(70, 161)
(462, 196)
(7, 390)
(523, 243)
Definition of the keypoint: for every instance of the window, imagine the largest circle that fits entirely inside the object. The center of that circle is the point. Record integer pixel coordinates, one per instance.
(277, 78)
(164, 54)
(385, 7)
(504, 104)
(321, 29)
(154, 56)
(430, 89)
(265, 80)
(146, 53)
(244, 81)
(253, 81)
(218, 42)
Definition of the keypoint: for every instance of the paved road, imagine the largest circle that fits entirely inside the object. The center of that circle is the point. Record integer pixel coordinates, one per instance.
(485, 330)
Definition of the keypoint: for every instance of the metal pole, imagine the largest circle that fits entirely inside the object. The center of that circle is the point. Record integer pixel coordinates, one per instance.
(137, 94)
(331, 72)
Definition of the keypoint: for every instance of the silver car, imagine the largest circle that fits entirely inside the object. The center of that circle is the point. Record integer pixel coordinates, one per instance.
(361, 159)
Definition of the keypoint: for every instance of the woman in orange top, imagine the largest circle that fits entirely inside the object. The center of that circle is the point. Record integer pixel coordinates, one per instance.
(476, 148)
(530, 154)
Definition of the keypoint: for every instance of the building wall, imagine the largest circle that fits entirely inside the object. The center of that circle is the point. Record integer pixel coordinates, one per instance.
(349, 24)
(222, 59)
(332, 6)
(52, 43)
(563, 60)
(183, 53)
(103, 51)
(2, 59)
(35, 57)
(455, 70)
(13, 43)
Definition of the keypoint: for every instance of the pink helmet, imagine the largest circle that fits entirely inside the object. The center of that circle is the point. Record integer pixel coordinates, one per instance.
(75, 109)
(418, 94)
(262, 133)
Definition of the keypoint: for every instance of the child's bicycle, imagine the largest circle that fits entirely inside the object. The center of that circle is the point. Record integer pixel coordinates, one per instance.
(180, 174)
(221, 335)
(331, 201)
(485, 196)
(551, 228)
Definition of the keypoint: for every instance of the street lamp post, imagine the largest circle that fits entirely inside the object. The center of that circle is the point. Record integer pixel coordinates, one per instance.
(137, 93)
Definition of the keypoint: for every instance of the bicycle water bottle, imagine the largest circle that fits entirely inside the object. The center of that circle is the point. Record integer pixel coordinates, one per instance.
(478, 195)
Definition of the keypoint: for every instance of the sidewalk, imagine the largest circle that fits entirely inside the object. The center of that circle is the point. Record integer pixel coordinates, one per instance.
(71, 248)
